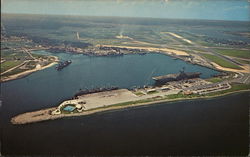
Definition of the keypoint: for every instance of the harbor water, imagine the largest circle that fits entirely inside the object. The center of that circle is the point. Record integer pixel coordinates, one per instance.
(215, 126)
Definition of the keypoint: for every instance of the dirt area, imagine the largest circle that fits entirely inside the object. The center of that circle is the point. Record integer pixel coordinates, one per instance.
(107, 98)
(31, 117)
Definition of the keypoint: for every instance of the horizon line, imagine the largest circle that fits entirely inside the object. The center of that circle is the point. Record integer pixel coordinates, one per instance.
(123, 17)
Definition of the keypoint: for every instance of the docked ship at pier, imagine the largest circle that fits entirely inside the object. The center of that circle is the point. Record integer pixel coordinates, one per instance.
(95, 90)
(176, 77)
(62, 65)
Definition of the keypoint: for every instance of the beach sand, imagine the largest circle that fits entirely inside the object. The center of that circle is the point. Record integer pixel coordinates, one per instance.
(246, 68)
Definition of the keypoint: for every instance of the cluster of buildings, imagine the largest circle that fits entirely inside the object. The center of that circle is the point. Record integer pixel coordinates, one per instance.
(63, 48)
(100, 50)
(187, 87)
(199, 86)
(209, 88)
(186, 84)
(226, 42)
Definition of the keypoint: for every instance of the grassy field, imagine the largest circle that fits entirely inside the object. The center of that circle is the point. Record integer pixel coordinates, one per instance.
(153, 92)
(235, 87)
(13, 55)
(214, 79)
(138, 93)
(221, 61)
(144, 32)
(13, 72)
(9, 64)
(234, 53)
(243, 61)
(103, 30)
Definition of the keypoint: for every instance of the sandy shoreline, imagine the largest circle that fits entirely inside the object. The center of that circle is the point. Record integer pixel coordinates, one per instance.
(246, 68)
(28, 72)
(22, 118)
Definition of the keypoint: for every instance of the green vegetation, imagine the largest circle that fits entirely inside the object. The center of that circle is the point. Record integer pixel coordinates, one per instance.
(13, 55)
(235, 87)
(39, 56)
(221, 61)
(243, 61)
(146, 32)
(13, 72)
(138, 93)
(54, 29)
(31, 64)
(131, 103)
(234, 53)
(214, 79)
(9, 64)
(179, 96)
(153, 92)
(100, 30)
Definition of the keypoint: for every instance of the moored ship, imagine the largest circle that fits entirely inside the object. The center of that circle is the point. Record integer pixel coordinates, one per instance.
(95, 90)
(176, 77)
(62, 65)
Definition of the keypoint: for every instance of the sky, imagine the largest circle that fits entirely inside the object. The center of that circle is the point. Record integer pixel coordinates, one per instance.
(235, 10)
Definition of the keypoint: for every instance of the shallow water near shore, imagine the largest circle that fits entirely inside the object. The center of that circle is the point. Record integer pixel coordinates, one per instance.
(210, 126)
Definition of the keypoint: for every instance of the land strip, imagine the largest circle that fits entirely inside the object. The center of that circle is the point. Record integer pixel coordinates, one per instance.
(45, 114)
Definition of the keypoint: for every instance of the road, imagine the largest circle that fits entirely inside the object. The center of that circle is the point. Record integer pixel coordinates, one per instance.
(14, 67)
(28, 52)
(242, 78)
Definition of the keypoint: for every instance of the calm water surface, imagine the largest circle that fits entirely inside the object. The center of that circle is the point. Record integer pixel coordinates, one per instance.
(49, 87)
(217, 126)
